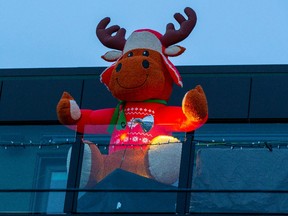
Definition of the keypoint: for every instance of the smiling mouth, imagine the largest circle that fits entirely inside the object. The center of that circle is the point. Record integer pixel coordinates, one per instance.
(134, 87)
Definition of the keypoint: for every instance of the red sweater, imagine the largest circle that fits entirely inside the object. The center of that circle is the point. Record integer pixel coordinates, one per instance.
(166, 120)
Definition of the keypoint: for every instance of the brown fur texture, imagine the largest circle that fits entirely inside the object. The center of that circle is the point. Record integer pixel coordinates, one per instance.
(195, 104)
(137, 83)
(63, 110)
(130, 160)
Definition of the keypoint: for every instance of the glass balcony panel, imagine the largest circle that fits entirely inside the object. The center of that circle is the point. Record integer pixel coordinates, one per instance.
(117, 174)
(33, 158)
(241, 168)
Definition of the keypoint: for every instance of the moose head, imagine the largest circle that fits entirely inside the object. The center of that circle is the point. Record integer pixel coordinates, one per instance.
(142, 70)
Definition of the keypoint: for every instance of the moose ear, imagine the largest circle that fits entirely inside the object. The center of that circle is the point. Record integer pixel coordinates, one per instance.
(174, 50)
(111, 56)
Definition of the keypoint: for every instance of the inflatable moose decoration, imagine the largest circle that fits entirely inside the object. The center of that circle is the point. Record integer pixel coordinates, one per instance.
(141, 79)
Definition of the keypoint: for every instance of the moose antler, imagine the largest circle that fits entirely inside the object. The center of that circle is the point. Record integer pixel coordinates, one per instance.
(105, 35)
(173, 36)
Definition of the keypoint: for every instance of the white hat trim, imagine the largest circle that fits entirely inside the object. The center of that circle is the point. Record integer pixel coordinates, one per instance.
(145, 40)
(172, 68)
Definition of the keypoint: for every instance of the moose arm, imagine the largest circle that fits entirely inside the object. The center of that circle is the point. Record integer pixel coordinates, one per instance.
(192, 114)
(82, 120)
(94, 121)
(174, 120)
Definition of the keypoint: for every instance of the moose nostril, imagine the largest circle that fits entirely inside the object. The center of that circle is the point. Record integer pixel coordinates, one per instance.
(145, 64)
(118, 68)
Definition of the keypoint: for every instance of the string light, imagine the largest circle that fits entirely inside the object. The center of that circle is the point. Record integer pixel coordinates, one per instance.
(30, 143)
(66, 141)
(244, 144)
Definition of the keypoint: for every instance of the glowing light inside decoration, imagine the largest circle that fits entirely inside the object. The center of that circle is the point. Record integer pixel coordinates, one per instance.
(164, 139)
(123, 136)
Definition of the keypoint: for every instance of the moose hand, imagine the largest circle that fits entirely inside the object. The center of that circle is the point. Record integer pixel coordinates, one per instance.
(194, 105)
(68, 111)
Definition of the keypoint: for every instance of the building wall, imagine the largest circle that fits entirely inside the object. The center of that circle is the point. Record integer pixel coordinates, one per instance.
(30, 96)
(233, 92)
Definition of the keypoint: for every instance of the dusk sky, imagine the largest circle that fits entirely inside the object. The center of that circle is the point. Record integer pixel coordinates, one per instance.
(37, 34)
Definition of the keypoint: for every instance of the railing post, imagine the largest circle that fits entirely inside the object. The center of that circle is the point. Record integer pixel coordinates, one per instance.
(73, 181)
(186, 174)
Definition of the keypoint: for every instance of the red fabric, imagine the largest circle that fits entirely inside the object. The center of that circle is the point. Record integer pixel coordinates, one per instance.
(167, 119)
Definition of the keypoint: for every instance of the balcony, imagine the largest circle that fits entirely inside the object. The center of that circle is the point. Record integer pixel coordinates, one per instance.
(234, 164)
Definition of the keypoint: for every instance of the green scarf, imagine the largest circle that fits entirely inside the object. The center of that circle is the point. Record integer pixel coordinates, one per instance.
(119, 118)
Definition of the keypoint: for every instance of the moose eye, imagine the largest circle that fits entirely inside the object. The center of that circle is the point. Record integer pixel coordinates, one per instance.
(145, 53)
(130, 54)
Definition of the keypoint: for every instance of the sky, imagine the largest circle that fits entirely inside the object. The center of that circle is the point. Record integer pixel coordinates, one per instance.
(61, 33)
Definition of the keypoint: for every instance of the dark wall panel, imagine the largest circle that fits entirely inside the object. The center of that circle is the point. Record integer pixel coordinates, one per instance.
(34, 100)
(97, 96)
(269, 97)
(1, 83)
(228, 97)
